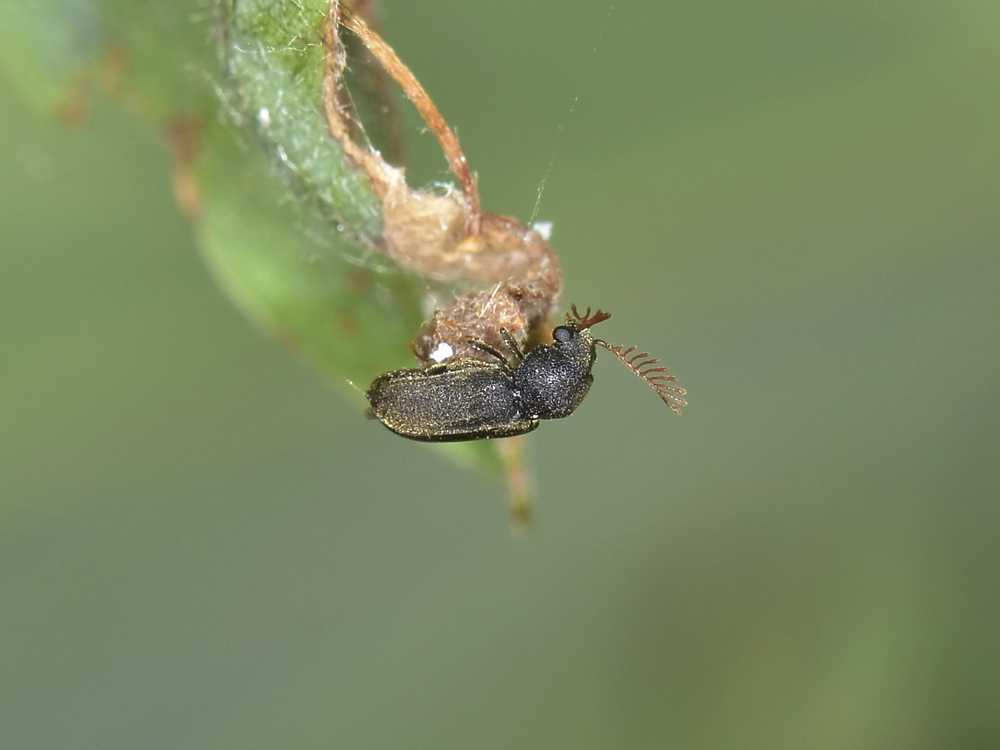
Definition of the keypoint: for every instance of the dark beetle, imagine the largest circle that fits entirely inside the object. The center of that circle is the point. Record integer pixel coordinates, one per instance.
(471, 400)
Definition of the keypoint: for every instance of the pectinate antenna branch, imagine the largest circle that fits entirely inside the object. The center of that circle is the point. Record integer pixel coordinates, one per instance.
(642, 365)
(586, 320)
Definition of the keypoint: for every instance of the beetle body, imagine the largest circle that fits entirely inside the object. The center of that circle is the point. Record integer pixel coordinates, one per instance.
(472, 400)
(463, 400)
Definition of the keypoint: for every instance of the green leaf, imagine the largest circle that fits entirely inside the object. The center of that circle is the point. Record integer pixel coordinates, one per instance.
(285, 222)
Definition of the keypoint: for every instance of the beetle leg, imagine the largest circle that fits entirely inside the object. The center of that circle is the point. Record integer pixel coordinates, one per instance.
(484, 346)
(511, 343)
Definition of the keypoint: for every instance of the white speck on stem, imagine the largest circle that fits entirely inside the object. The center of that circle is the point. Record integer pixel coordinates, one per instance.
(543, 228)
(263, 117)
(441, 352)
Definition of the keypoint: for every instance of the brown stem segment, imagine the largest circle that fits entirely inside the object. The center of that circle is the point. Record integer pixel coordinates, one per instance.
(415, 93)
(337, 117)
(506, 276)
(511, 452)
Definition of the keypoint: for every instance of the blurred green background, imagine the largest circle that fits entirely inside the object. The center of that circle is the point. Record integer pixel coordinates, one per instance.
(794, 205)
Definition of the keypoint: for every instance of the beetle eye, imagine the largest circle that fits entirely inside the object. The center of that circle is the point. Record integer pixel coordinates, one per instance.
(562, 334)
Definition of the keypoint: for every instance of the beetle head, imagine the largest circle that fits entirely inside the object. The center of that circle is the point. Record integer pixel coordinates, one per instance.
(552, 379)
(574, 339)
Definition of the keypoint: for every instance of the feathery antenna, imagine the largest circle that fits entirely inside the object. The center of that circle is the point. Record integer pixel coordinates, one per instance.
(644, 367)
(640, 363)
(586, 320)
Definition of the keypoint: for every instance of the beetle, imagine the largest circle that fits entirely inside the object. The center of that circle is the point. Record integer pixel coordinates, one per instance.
(470, 399)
